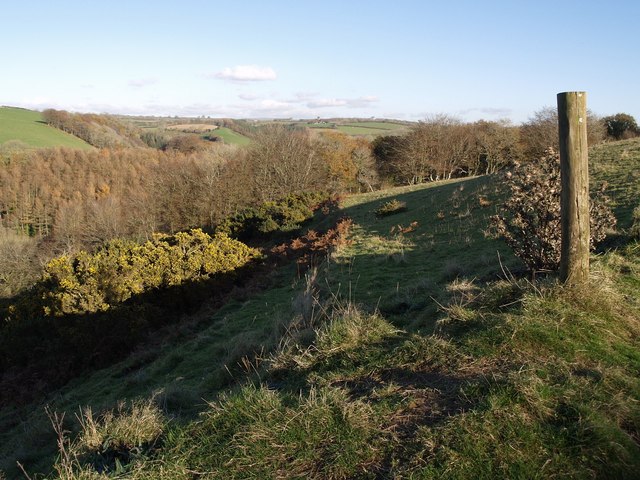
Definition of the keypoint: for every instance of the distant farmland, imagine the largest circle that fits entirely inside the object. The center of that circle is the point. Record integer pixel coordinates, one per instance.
(231, 137)
(369, 128)
(193, 127)
(26, 126)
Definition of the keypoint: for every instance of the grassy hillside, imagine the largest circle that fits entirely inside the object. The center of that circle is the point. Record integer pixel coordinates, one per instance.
(372, 128)
(27, 127)
(417, 351)
(230, 137)
(361, 128)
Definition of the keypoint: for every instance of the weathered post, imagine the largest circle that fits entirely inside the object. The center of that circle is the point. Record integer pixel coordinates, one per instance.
(574, 197)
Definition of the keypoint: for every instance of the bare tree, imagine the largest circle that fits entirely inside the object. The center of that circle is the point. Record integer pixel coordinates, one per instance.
(434, 149)
(540, 132)
(283, 162)
(495, 146)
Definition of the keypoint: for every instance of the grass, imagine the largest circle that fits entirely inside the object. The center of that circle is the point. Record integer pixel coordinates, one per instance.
(350, 130)
(320, 125)
(367, 128)
(617, 164)
(26, 126)
(403, 273)
(423, 357)
(372, 128)
(231, 137)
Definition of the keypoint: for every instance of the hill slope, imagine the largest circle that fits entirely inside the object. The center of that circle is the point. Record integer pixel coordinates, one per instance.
(413, 353)
(231, 137)
(27, 127)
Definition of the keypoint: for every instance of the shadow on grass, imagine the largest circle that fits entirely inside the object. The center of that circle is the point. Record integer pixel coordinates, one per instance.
(42, 353)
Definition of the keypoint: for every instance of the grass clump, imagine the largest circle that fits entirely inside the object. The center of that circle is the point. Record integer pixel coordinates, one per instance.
(261, 433)
(110, 444)
(121, 432)
(391, 208)
(346, 334)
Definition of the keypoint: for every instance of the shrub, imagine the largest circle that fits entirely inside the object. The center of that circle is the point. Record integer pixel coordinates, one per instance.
(285, 215)
(391, 207)
(87, 283)
(621, 125)
(529, 220)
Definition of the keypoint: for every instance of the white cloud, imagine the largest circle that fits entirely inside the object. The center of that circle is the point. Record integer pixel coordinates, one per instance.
(247, 73)
(360, 102)
(142, 82)
(248, 96)
(491, 111)
(304, 96)
(326, 102)
(298, 105)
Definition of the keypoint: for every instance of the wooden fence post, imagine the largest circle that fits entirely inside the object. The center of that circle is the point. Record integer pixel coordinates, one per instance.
(574, 172)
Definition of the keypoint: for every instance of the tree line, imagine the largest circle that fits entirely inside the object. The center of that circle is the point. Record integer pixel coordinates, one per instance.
(102, 131)
(442, 147)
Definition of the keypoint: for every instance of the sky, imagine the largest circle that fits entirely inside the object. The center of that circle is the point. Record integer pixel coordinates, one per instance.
(407, 59)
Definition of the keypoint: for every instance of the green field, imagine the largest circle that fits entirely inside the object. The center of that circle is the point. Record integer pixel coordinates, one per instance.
(427, 354)
(230, 137)
(26, 126)
(369, 128)
(378, 125)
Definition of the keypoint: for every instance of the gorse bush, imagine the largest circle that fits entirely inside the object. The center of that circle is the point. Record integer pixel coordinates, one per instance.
(391, 207)
(529, 220)
(285, 215)
(87, 283)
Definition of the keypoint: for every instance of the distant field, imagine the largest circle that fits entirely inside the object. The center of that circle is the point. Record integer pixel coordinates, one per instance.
(321, 125)
(230, 137)
(193, 127)
(377, 125)
(373, 128)
(27, 127)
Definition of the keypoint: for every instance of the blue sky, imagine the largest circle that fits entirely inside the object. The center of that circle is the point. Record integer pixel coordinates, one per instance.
(254, 59)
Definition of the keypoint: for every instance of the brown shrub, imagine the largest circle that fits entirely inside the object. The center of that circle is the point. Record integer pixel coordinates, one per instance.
(529, 220)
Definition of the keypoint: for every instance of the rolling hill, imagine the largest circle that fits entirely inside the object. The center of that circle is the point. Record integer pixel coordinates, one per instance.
(27, 127)
(418, 350)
